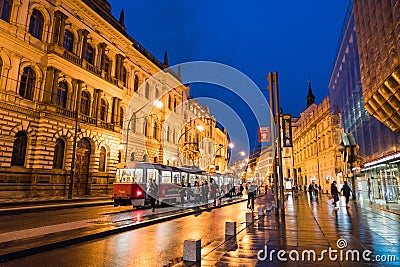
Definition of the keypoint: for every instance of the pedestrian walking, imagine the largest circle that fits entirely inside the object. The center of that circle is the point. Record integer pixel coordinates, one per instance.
(182, 192)
(346, 190)
(188, 192)
(197, 192)
(251, 194)
(335, 194)
(153, 191)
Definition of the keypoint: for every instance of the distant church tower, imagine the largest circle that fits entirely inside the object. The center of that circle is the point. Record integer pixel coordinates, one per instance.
(310, 97)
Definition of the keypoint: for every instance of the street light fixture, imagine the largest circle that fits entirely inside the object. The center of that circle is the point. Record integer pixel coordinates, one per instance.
(156, 103)
(221, 146)
(198, 127)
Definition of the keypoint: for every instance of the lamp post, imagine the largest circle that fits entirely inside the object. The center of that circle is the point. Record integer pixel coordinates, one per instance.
(198, 127)
(221, 146)
(76, 130)
(156, 103)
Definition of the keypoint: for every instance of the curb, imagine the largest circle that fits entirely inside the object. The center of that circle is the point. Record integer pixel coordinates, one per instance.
(19, 210)
(90, 237)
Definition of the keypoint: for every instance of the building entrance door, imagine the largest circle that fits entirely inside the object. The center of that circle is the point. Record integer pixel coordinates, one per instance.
(82, 166)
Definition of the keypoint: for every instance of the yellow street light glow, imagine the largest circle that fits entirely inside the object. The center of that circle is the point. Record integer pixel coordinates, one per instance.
(158, 104)
(200, 128)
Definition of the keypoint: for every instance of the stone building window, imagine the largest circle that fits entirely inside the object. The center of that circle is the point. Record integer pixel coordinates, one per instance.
(5, 8)
(85, 103)
(68, 42)
(102, 162)
(155, 130)
(36, 24)
(59, 149)
(19, 149)
(27, 84)
(107, 65)
(121, 116)
(62, 92)
(103, 110)
(89, 56)
(1, 66)
(147, 91)
(157, 93)
(124, 76)
(136, 84)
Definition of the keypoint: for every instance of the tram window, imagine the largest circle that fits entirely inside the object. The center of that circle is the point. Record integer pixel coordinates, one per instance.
(118, 176)
(192, 178)
(177, 177)
(151, 174)
(138, 175)
(166, 177)
(125, 176)
(184, 178)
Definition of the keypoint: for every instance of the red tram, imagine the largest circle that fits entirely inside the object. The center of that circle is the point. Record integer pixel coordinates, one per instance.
(131, 184)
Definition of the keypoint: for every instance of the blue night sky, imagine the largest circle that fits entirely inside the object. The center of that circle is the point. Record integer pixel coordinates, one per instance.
(296, 38)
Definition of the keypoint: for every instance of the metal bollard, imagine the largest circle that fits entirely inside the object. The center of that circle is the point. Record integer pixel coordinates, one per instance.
(192, 250)
(230, 228)
(249, 218)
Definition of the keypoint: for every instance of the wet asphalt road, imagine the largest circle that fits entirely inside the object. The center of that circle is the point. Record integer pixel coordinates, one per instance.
(149, 246)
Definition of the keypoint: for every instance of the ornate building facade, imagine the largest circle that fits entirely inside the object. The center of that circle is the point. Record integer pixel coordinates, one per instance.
(316, 135)
(73, 81)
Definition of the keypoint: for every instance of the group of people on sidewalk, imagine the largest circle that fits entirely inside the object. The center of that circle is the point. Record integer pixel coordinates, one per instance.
(346, 190)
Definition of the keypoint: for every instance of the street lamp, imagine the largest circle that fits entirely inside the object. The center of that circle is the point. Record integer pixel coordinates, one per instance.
(198, 127)
(221, 146)
(156, 103)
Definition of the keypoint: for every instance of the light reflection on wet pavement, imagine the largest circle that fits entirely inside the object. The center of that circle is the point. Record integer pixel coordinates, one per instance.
(307, 225)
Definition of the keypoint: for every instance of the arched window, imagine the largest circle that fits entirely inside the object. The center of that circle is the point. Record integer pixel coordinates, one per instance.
(5, 9)
(58, 161)
(145, 130)
(19, 149)
(102, 163)
(157, 93)
(27, 84)
(121, 116)
(136, 84)
(119, 157)
(167, 133)
(103, 110)
(68, 42)
(155, 130)
(85, 103)
(147, 90)
(174, 103)
(107, 65)
(62, 91)
(36, 24)
(89, 56)
(124, 75)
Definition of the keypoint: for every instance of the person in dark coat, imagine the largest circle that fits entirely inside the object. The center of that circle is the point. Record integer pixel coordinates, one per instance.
(346, 190)
(153, 191)
(335, 194)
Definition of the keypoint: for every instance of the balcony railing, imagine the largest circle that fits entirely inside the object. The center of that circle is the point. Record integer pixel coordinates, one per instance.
(72, 58)
(86, 119)
(93, 69)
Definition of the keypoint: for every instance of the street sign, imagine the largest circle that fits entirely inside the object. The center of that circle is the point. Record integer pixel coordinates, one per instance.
(264, 134)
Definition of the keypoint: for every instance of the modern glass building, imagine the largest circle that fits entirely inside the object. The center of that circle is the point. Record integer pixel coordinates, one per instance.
(378, 159)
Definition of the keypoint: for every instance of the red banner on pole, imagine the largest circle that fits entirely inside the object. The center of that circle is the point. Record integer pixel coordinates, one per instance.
(264, 134)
